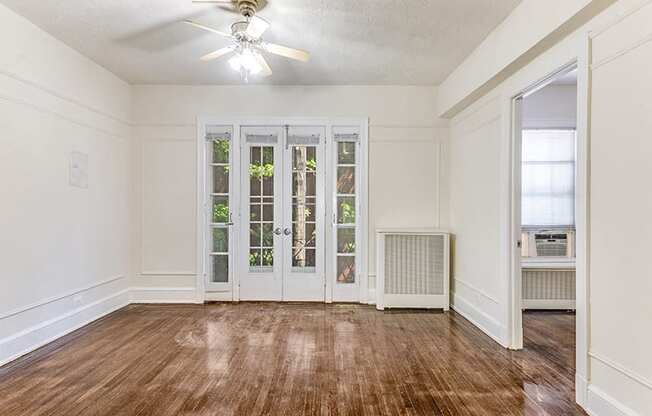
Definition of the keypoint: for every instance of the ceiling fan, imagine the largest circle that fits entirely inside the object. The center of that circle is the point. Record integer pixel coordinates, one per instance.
(246, 36)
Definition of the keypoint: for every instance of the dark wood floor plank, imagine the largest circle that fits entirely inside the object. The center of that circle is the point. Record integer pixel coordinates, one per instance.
(294, 359)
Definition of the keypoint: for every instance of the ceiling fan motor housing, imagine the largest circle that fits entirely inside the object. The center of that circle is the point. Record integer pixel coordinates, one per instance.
(248, 7)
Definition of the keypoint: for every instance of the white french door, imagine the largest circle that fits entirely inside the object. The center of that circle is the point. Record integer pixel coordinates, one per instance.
(282, 196)
(282, 210)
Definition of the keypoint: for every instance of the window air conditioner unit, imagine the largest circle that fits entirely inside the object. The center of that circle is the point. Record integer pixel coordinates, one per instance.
(548, 243)
(412, 269)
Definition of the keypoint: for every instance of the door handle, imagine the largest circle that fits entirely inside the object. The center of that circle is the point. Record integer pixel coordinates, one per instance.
(287, 231)
(277, 231)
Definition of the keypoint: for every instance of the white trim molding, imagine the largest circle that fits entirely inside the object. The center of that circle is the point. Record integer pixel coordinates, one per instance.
(158, 294)
(28, 340)
(56, 298)
(600, 403)
(490, 326)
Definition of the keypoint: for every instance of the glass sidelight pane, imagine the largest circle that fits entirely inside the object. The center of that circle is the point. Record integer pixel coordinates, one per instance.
(220, 240)
(220, 209)
(345, 269)
(346, 180)
(346, 240)
(221, 151)
(346, 153)
(220, 268)
(220, 179)
(346, 210)
(261, 206)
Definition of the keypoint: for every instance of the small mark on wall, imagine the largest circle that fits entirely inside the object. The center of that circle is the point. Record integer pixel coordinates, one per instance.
(78, 170)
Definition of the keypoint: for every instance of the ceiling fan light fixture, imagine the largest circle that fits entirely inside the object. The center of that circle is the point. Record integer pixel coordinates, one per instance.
(245, 62)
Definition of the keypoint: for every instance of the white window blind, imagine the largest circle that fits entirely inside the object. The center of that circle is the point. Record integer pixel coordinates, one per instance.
(548, 178)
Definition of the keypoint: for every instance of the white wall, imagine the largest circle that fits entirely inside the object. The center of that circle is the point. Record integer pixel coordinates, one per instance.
(65, 250)
(528, 31)
(615, 377)
(620, 228)
(407, 164)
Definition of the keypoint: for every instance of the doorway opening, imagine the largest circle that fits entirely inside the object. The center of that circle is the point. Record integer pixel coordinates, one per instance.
(545, 216)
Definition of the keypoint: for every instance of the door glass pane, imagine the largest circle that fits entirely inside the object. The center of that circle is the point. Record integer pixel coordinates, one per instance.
(261, 207)
(304, 195)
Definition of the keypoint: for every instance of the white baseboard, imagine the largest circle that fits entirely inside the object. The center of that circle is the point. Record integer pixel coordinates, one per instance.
(484, 322)
(371, 300)
(34, 337)
(552, 304)
(164, 295)
(600, 403)
(219, 296)
(581, 390)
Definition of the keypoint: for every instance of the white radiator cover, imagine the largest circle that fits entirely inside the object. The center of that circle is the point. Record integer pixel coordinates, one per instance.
(548, 288)
(412, 269)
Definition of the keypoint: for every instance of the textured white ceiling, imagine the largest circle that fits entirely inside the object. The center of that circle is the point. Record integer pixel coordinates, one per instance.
(372, 42)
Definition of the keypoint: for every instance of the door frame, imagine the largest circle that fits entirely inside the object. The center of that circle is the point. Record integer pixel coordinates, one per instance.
(202, 199)
(577, 56)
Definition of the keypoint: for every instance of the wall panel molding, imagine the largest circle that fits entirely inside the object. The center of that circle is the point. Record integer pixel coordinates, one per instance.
(476, 290)
(63, 97)
(632, 375)
(55, 298)
(164, 295)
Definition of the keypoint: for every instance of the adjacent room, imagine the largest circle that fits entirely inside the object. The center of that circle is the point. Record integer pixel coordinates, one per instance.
(285, 207)
(548, 142)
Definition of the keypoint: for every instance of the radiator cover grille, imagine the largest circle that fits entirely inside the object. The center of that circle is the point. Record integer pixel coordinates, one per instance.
(549, 284)
(414, 264)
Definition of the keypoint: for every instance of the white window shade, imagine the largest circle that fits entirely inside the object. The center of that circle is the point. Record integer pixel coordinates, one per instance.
(548, 178)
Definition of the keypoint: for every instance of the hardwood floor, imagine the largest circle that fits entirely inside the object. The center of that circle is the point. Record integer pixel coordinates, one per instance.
(293, 359)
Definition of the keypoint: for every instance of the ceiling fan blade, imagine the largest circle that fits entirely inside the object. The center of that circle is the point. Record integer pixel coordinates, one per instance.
(257, 27)
(291, 53)
(217, 53)
(265, 69)
(209, 29)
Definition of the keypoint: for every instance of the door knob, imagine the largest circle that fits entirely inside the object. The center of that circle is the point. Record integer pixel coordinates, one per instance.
(277, 231)
(287, 231)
